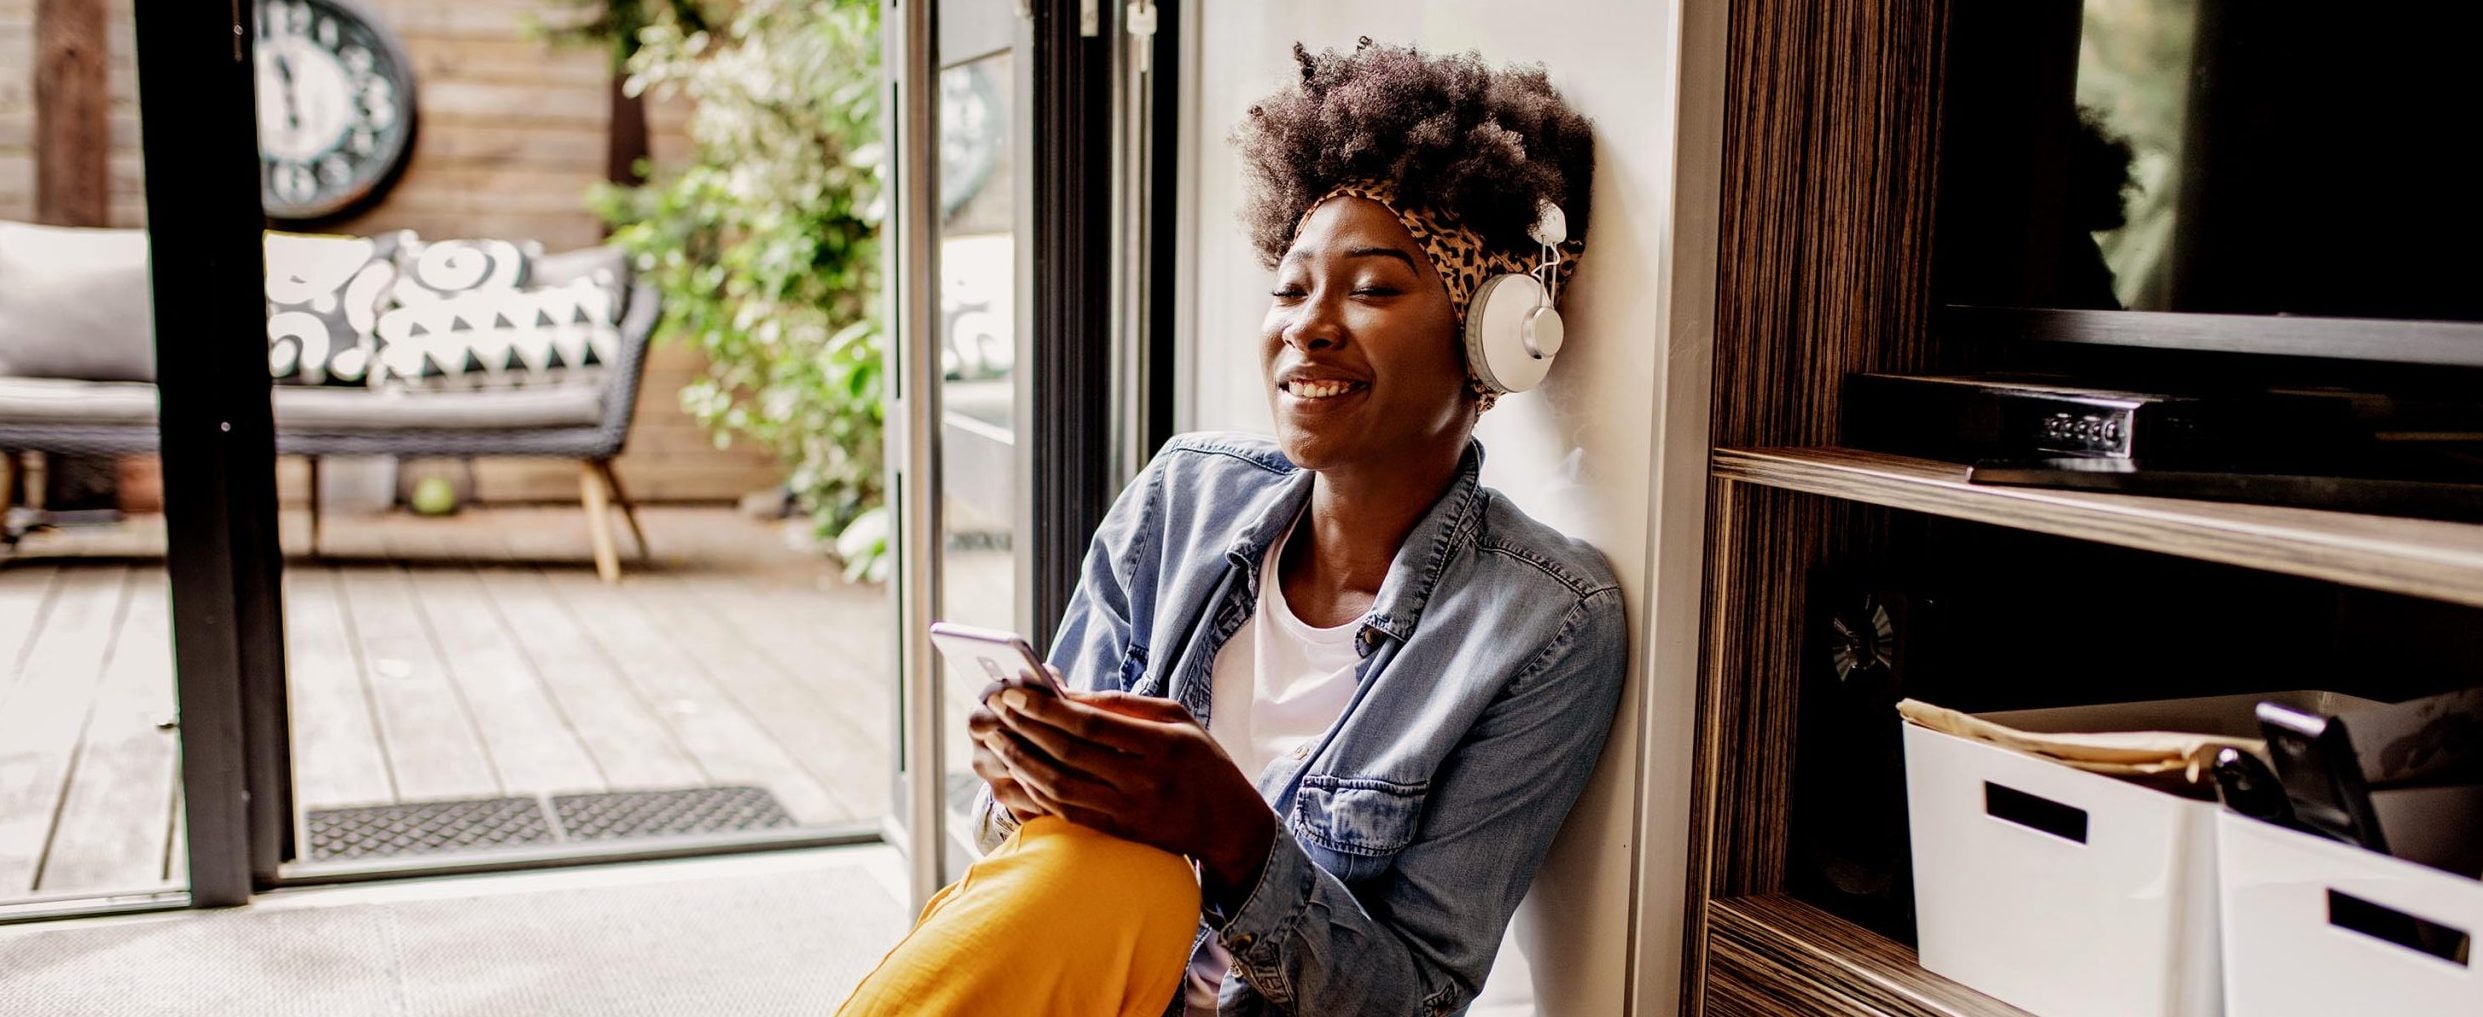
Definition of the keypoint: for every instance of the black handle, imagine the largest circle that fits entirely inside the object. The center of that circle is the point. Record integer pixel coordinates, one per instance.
(2034, 812)
(2379, 921)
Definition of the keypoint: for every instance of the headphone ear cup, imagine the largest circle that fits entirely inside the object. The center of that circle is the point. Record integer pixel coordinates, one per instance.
(1544, 333)
(1496, 333)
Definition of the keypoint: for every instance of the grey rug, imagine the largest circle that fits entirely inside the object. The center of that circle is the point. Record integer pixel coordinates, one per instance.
(774, 944)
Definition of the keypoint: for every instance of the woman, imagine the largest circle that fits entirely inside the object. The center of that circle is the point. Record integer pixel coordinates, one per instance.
(1356, 689)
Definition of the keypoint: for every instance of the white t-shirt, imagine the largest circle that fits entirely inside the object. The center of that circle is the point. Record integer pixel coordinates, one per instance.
(1277, 685)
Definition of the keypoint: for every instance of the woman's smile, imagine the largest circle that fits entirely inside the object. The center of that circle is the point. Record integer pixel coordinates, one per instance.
(1321, 389)
(1312, 392)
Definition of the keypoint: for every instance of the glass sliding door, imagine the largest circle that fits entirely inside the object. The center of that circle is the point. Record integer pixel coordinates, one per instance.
(1023, 380)
(957, 283)
(453, 670)
(982, 489)
(132, 459)
(449, 673)
(537, 637)
(918, 817)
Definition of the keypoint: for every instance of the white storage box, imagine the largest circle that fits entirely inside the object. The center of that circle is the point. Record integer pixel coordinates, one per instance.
(2066, 893)
(2316, 928)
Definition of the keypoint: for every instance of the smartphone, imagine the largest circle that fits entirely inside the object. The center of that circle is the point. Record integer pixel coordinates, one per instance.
(992, 653)
(2323, 779)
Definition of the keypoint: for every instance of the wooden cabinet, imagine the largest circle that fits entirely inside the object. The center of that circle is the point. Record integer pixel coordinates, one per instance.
(1830, 177)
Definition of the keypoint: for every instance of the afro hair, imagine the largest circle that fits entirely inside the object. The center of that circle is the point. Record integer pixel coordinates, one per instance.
(1484, 147)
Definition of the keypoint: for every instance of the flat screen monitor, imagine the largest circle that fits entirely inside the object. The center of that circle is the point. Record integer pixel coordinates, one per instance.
(2270, 176)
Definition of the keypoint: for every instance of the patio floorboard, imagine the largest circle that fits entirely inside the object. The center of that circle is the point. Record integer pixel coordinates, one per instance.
(472, 656)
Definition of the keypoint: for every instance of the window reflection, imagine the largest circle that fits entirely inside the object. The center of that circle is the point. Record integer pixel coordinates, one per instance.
(2224, 156)
(978, 352)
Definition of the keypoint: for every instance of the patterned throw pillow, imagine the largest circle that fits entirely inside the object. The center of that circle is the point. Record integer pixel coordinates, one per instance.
(438, 270)
(324, 298)
(461, 324)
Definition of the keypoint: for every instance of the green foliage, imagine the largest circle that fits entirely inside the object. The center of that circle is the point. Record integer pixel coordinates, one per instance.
(616, 23)
(766, 248)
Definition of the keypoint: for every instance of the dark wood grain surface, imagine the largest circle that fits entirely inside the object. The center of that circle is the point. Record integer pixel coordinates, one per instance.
(73, 138)
(1830, 152)
(1775, 955)
(1831, 167)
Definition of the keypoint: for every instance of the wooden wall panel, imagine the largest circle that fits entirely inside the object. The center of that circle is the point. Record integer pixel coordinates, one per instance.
(73, 144)
(1830, 150)
(511, 138)
(1776, 955)
(17, 110)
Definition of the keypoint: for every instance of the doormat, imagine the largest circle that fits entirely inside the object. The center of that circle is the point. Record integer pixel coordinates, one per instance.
(660, 813)
(474, 824)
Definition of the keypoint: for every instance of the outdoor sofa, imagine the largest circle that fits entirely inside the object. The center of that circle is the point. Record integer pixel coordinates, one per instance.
(76, 363)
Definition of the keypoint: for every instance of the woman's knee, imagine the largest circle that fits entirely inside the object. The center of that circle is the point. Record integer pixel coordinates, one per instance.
(1083, 867)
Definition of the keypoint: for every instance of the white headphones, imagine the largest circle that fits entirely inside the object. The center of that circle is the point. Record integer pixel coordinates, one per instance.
(1512, 330)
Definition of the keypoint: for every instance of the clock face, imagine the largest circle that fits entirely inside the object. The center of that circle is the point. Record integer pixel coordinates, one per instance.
(336, 107)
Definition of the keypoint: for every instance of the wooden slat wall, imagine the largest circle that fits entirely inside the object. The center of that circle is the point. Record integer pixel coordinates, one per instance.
(17, 110)
(1776, 955)
(125, 202)
(511, 137)
(1823, 263)
(71, 130)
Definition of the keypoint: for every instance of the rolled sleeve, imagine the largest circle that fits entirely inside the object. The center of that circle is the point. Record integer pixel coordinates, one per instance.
(993, 822)
(1255, 932)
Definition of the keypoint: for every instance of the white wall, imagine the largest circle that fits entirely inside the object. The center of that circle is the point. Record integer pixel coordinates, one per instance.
(1617, 432)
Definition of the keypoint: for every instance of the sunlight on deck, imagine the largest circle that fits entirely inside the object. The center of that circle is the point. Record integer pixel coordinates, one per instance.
(432, 659)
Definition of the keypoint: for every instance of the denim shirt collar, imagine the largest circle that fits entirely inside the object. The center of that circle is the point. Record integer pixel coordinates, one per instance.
(1443, 530)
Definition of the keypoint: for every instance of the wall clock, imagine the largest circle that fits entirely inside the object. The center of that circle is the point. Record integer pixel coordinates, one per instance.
(336, 108)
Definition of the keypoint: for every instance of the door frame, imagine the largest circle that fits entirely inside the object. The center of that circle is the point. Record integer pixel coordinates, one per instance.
(197, 100)
(918, 823)
(1082, 347)
(1067, 451)
(1095, 375)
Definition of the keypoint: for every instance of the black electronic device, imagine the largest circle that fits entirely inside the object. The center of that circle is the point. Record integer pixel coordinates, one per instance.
(2327, 448)
(2247, 786)
(1965, 418)
(1870, 632)
(2323, 778)
(2268, 178)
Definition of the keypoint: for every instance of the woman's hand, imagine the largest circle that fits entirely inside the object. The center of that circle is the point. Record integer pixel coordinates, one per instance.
(988, 734)
(1140, 769)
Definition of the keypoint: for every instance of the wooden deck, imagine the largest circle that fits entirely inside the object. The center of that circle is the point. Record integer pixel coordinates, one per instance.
(433, 659)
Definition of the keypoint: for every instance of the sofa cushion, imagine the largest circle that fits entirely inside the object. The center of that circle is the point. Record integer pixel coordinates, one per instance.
(67, 401)
(74, 303)
(337, 409)
(433, 270)
(606, 266)
(324, 296)
(55, 401)
(559, 328)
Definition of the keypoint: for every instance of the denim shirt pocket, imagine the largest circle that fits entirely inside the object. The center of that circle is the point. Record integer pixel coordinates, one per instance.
(1354, 826)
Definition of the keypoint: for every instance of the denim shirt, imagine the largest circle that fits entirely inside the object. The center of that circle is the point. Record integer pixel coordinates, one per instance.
(1492, 663)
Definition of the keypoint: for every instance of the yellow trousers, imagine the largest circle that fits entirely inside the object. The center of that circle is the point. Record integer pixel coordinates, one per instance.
(1059, 920)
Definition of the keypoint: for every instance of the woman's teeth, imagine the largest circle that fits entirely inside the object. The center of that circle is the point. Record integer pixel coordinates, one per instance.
(1319, 389)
